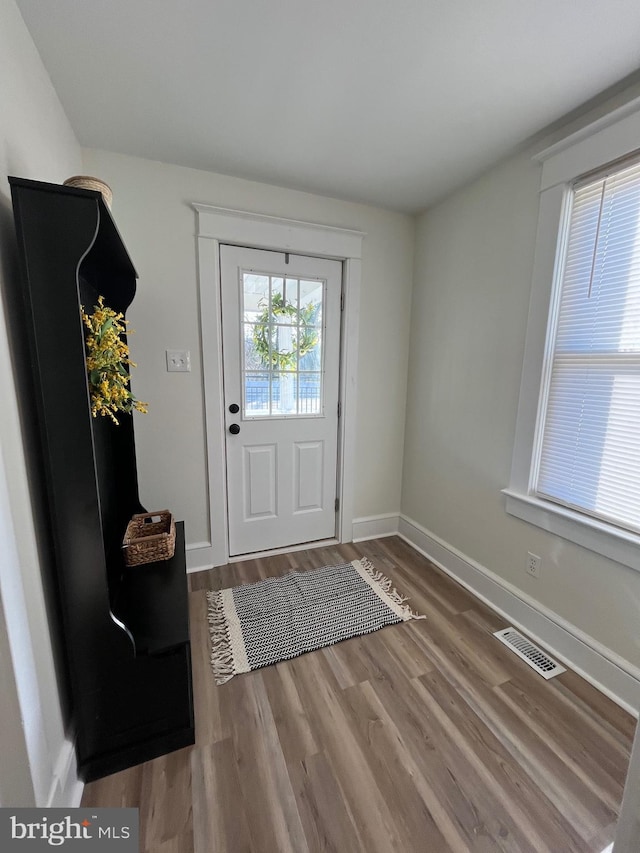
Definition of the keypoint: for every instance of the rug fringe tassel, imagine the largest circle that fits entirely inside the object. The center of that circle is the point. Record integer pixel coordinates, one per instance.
(222, 662)
(386, 585)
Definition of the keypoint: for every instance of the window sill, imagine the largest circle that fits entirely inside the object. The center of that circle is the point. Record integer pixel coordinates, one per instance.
(611, 542)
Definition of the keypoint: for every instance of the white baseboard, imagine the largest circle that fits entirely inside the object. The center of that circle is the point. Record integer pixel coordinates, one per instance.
(199, 557)
(66, 789)
(607, 671)
(375, 526)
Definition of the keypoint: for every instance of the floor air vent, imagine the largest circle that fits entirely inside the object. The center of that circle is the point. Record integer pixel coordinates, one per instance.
(535, 657)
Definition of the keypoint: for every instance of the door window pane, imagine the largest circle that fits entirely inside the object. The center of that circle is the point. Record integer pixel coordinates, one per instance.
(312, 358)
(310, 292)
(282, 354)
(255, 295)
(309, 386)
(253, 333)
(256, 394)
(284, 393)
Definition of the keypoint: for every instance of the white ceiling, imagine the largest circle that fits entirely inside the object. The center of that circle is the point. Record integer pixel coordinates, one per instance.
(390, 102)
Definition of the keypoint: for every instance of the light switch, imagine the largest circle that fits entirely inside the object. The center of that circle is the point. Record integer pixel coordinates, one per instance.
(178, 360)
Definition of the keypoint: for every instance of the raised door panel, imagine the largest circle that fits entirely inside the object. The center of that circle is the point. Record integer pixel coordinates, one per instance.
(260, 471)
(308, 480)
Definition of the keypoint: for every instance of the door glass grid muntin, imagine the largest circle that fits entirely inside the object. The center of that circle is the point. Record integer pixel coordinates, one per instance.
(303, 380)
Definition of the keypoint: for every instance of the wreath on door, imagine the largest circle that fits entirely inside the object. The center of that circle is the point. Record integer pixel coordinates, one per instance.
(304, 335)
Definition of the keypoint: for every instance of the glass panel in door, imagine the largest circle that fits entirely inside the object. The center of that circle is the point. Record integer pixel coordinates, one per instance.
(282, 353)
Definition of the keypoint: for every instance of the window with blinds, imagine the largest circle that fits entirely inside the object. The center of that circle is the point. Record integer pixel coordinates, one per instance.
(588, 455)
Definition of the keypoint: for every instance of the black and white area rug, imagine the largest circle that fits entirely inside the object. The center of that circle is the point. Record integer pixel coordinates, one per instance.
(276, 619)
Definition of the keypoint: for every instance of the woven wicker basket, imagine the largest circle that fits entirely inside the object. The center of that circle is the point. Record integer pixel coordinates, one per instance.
(150, 536)
(86, 182)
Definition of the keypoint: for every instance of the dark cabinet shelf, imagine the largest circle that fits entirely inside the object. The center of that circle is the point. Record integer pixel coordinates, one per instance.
(124, 631)
(152, 602)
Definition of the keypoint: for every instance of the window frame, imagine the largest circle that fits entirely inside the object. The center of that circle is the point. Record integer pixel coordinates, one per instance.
(606, 140)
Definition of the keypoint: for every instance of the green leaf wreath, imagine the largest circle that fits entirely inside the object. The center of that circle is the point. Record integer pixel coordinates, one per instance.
(304, 335)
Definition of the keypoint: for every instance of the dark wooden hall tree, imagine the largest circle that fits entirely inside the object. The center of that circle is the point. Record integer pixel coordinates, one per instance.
(124, 631)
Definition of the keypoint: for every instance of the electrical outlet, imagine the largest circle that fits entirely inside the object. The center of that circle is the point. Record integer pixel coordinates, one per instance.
(178, 361)
(533, 564)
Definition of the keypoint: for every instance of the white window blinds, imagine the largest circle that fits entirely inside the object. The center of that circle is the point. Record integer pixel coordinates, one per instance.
(589, 426)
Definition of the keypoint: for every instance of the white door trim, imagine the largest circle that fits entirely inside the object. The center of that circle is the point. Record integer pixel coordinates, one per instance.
(216, 225)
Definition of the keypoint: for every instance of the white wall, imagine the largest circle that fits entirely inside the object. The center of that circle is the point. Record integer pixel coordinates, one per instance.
(36, 141)
(152, 207)
(474, 255)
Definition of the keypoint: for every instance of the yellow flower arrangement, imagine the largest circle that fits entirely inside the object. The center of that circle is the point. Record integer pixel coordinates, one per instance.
(107, 355)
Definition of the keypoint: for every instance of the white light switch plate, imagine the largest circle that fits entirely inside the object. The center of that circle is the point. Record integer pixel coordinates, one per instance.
(178, 361)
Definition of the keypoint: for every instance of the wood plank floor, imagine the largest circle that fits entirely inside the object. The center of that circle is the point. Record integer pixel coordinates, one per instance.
(427, 736)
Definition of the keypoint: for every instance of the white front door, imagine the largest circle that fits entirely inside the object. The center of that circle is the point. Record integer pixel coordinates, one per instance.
(281, 356)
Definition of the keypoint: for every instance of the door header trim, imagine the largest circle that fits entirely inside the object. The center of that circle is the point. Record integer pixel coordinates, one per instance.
(261, 231)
